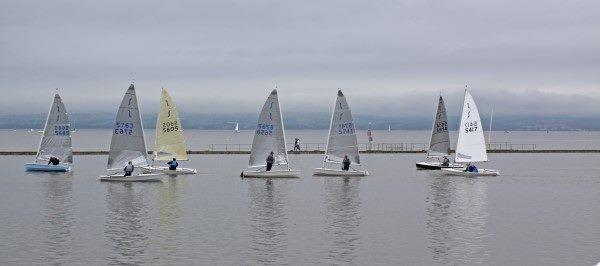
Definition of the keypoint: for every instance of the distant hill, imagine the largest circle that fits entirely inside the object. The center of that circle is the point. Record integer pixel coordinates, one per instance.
(311, 120)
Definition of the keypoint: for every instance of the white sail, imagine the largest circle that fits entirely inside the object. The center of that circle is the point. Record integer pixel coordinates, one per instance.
(237, 127)
(269, 134)
(56, 141)
(170, 142)
(127, 143)
(342, 134)
(439, 144)
(471, 143)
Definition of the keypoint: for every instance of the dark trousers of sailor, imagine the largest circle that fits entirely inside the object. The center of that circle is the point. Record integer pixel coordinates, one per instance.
(127, 173)
(345, 166)
(269, 166)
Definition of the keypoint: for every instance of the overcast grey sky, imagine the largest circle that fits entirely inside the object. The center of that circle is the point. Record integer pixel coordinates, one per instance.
(390, 57)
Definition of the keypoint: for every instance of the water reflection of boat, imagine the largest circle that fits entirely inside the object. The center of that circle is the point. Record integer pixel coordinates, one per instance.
(267, 219)
(456, 221)
(58, 220)
(126, 227)
(342, 202)
(169, 236)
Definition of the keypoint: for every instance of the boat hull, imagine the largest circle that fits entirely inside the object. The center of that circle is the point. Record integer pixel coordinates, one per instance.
(134, 178)
(165, 170)
(38, 167)
(337, 172)
(271, 174)
(436, 166)
(480, 172)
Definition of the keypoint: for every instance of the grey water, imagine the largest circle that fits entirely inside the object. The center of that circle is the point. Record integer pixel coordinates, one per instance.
(543, 209)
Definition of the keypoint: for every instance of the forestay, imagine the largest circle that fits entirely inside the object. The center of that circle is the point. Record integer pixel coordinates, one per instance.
(170, 142)
(127, 143)
(342, 134)
(471, 143)
(439, 144)
(269, 134)
(56, 141)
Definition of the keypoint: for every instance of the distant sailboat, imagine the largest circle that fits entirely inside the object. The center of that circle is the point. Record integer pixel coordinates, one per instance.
(341, 141)
(439, 143)
(237, 127)
(269, 136)
(128, 143)
(55, 142)
(389, 128)
(170, 142)
(470, 147)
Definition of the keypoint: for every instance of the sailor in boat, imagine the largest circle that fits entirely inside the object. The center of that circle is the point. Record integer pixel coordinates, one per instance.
(270, 161)
(471, 168)
(128, 169)
(53, 160)
(446, 161)
(173, 164)
(346, 163)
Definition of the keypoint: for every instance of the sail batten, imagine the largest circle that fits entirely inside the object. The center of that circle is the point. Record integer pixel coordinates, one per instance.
(127, 142)
(269, 135)
(342, 133)
(470, 146)
(56, 139)
(170, 142)
(439, 144)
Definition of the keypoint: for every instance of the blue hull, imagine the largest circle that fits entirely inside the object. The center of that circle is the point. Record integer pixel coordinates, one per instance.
(47, 167)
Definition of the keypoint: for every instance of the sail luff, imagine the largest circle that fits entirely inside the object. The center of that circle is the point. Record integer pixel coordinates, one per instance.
(56, 137)
(439, 143)
(342, 133)
(128, 142)
(470, 146)
(269, 134)
(169, 139)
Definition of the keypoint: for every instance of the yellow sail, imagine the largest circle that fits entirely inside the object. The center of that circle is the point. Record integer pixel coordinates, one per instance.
(169, 133)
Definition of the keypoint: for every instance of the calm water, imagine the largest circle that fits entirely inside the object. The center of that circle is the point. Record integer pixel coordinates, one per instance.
(99, 139)
(544, 209)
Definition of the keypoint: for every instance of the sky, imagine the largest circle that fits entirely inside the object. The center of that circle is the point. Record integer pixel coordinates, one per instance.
(391, 58)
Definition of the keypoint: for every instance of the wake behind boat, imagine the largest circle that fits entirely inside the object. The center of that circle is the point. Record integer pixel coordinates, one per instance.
(470, 147)
(55, 152)
(170, 142)
(128, 144)
(269, 144)
(342, 146)
(439, 143)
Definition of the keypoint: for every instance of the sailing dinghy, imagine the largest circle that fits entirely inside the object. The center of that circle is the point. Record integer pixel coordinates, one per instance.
(237, 127)
(470, 147)
(439, 144)
(55, 142)
(128, 144)
(170, 142)
(269, 136)
(341, 141)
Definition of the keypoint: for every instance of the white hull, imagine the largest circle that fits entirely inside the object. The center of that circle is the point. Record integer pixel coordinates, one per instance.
(437, 165)
(480, 172)
(165, 170)
(338, 172)
(133, 178)
(272, 173)
(47, 167)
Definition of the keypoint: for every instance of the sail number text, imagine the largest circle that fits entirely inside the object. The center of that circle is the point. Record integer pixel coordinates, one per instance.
(471, 126)
(123, 128)
(441, 127)
(264, 129)
(170, 126)
(62, 130)
(345, 128)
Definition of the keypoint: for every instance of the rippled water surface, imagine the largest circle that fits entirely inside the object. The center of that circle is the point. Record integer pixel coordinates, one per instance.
(544, 209)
